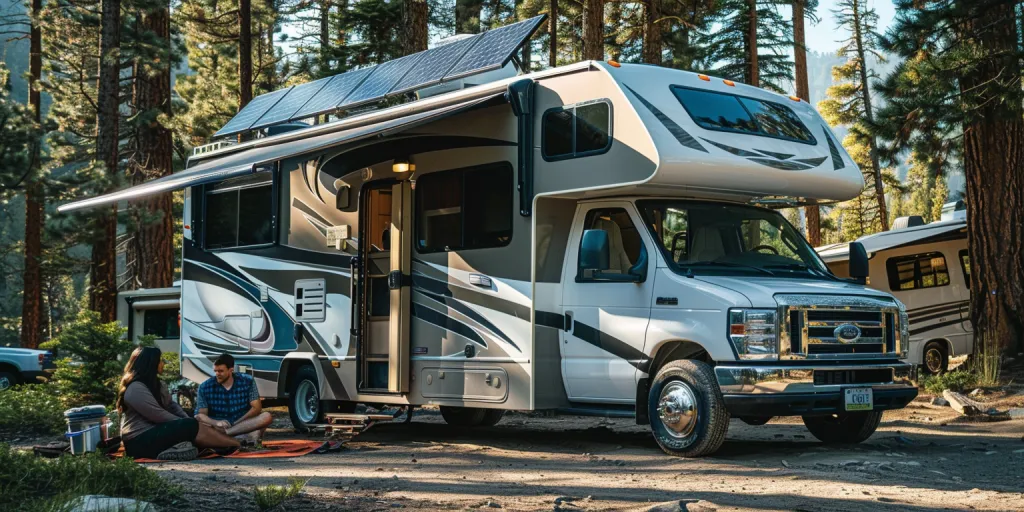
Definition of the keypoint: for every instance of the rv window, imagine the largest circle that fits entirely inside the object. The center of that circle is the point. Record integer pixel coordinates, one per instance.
(239, 213)
(917, 271)
(624, 243)
(162, 323)
(464, 209)
(729, 113)
(965, 265)
(576, 131)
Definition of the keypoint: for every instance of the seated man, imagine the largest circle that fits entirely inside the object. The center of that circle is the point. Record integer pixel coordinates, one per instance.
(231, 403)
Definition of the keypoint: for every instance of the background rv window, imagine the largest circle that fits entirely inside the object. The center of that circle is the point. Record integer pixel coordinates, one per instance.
(576, 131)
(239, 212)
(965, 265)
(162, 323)
(730, 113)
(464, 209)
(917, 271)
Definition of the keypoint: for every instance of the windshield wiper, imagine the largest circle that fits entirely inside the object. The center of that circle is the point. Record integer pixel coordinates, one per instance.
(727, 264)
(800, 266)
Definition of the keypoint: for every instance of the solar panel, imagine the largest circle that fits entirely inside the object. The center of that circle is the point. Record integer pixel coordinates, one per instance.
(333, 93)
(494, 49)
(251, 112)
(288, 105)
(382, 80)
(434, 65)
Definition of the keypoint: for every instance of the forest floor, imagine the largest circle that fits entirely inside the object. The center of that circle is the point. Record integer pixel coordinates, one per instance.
(922, 458)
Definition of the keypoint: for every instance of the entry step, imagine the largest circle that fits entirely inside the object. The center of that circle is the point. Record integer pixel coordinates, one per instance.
(348, 425)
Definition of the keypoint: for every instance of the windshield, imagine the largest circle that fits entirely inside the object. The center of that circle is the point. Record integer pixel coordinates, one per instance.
(715, 238)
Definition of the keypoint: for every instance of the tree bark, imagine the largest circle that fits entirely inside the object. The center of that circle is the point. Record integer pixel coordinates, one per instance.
(553, 34)
(467, 16)
(103, 266)
(32, 278)
(750, 45)
(244, 53)
(415, 27)
(812, 213)
(153, 158)
(593, 30)
(876, 166)
(325, 38)
(994, 170)
(653, 41)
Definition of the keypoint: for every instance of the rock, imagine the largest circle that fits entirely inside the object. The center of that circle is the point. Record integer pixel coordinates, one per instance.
(939, 401)
(493, 504)
(785, 464)
(977, 392)
(886, 466)
(564, 499)
(98, 503)
(684, 506)
(961, 403)
(848, 463)
(1016, 413)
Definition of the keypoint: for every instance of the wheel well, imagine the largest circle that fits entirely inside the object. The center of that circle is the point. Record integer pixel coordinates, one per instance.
(943, 341)
(8, 367)
(289, 367)
(667, 352)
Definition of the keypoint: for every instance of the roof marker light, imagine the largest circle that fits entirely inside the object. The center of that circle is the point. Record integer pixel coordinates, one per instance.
(795, 98)
(614, 64)
(704, 77)
(730, 83)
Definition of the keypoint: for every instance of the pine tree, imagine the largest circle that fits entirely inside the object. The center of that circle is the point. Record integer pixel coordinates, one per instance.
(750, 44)
(32, 277)
(415, 18)
(802, 10)
(593, 29)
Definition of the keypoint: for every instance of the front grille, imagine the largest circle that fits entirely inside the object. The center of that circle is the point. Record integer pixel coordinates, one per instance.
(814, 331)
(842, 377)
(854, 348)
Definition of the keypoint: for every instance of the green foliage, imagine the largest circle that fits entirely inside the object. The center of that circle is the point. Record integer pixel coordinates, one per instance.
(270, 496)
(31, 409)
(31, 483)
(18, 132)
(92, 361)
(959, 380)
(724, 45)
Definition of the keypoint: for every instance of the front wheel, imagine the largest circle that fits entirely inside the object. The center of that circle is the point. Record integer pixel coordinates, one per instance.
(845, 428)
(304, 406)
(688, 415)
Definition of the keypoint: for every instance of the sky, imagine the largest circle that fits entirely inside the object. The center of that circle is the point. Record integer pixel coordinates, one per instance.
(823, 36)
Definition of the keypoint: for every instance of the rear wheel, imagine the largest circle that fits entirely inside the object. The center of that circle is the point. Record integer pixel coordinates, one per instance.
(846, 428)
(304, 405)
(463, 416)
(492, 417)
(7, 380)
(688, 415)
(936, 358)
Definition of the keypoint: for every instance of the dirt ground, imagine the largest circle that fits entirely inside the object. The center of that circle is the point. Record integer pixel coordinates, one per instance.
(922, 458)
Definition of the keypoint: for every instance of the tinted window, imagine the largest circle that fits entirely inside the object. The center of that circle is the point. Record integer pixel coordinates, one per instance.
(726, 112)
(464, 209)
(162, 323)
(917, 271)
(577, 131)
(240, 212)
(965, 265)
(624, 243)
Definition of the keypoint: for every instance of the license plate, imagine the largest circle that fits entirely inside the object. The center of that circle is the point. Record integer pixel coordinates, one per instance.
(859, 399)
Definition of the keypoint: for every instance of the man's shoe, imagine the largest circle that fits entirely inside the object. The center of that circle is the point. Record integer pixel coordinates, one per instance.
(250, 439)
(180, 452)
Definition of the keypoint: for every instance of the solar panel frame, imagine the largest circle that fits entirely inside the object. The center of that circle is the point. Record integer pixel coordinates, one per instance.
(516, 32)
(251, 113)
(437, 58)
(378, 85)
(283, 110)
(339, 88)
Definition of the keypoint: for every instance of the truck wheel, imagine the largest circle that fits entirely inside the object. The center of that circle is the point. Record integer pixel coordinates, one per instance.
(846, 428)
(936, 358)
(688, 415)
(7, 380)
(463, 416)
(492, 417)
(304, 406)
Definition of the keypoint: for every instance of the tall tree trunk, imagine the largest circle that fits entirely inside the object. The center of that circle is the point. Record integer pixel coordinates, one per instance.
(750, 45)
(593, 30)
(32, 279)
(653, 42)
(324, 66)
(994, 170)
(415, 21)
(153, 158)
(244, 52)
(553, 33)
(812, 213)
(467, 16)
(876, 166)
(103, 267)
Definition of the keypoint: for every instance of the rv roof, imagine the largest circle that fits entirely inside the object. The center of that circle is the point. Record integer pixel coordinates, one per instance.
(894, 238)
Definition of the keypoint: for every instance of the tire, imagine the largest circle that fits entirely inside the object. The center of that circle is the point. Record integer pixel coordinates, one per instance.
(8, 380)
(304, 406)
(492, 417)
(463, 416)
(935, 358)
(691, 387)
(846, 428)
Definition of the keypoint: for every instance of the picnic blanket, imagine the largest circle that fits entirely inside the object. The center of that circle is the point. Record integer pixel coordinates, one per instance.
(271, 449)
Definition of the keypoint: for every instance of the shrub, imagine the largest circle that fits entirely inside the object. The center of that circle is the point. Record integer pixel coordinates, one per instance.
(959, 380)
(31, 483)
(270, 496)
(93, 355)
(32, 410)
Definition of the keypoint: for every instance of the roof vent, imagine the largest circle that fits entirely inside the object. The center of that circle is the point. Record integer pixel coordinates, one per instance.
(908, 222)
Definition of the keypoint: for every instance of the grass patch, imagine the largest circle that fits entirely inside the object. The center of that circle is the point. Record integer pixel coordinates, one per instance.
(29, 483)
(31, 409)
(959, 380)
(270, 496)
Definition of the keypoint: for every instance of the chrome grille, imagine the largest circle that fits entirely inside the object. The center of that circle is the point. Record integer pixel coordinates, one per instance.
(822, 327)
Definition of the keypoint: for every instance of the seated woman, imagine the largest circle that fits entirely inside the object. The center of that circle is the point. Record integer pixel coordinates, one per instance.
(152, 425)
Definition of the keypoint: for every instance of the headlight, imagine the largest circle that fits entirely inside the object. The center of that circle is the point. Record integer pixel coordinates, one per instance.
(904, 339)
(753, 333)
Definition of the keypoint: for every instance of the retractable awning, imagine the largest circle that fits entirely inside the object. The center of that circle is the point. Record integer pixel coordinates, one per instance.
(246, 162)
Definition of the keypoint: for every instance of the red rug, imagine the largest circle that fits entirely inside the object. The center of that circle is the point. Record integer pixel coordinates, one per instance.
(271, 449)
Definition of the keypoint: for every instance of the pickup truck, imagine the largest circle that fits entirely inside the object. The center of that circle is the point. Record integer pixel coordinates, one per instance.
(23, 365)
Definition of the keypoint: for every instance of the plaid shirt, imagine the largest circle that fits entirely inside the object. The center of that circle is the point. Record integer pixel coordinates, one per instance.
(227, 404)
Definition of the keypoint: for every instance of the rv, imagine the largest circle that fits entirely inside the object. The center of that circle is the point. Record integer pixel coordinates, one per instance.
(152, 312)
(585, 239)
(927, 267)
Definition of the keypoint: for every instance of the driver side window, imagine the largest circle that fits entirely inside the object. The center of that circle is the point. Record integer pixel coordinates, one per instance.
(624, 243)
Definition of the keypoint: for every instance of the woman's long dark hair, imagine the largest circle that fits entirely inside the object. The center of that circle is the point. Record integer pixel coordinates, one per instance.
(143, 366)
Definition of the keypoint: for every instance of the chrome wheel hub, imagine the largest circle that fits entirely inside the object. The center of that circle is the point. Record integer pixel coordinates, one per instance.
(5, 383)
(677, 409)
(307, 402)
(933, 360)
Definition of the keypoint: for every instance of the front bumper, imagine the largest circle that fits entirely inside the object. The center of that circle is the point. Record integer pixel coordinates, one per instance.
(812, 390)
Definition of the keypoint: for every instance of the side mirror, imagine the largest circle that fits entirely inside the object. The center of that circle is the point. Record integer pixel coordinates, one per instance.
(858, 262)
(344, 198)
(594, 251)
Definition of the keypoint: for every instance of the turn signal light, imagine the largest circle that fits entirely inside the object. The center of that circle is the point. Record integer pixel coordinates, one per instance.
(737, 329)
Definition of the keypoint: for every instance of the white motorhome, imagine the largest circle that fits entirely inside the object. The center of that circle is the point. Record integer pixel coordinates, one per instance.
(584, 239)
(927, 267)
(152, 312)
